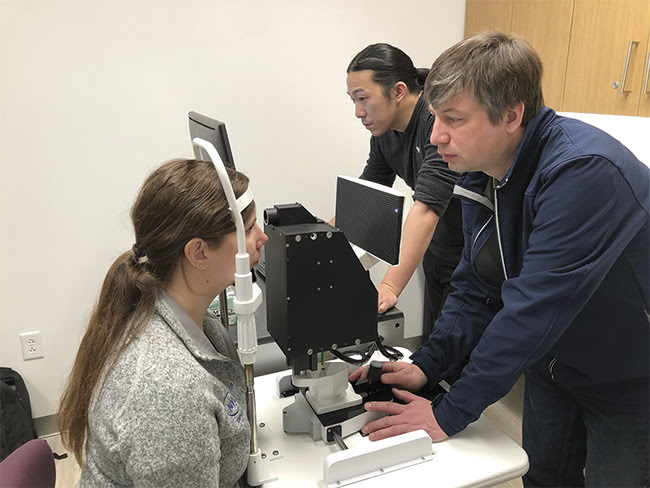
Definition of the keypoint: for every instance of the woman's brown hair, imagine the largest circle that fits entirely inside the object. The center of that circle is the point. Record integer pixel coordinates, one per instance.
(179, 201)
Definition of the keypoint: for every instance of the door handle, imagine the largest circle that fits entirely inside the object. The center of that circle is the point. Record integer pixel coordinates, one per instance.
(627, 64)
(644, 91)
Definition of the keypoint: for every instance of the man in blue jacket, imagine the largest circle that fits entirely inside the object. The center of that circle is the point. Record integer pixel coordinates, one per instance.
(553, 280)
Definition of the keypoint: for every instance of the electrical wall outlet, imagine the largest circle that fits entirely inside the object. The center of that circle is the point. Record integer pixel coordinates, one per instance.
(31, 345)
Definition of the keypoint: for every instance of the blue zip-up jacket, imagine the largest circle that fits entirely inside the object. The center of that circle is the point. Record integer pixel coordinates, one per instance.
(570, 219)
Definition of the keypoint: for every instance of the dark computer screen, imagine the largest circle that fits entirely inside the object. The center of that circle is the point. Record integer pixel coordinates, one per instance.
(370, 216)
(213, 131)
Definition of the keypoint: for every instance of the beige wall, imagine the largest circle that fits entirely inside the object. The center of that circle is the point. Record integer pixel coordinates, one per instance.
(95, 94)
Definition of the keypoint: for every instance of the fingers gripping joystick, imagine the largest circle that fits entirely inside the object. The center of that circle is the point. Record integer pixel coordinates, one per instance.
(371, 388)
(374, 374)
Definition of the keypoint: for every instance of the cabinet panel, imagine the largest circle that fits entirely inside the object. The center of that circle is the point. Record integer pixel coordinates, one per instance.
(547, 26)
(487, 14)
(600, 41)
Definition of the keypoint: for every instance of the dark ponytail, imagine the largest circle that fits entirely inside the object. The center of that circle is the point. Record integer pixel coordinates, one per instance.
(422, 77)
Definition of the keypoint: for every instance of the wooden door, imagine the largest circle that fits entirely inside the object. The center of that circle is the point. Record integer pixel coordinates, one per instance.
(481, 15)
(609, 39)
(547, 26)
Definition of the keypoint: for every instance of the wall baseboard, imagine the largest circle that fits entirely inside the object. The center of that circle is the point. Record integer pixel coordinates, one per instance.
(413, 343)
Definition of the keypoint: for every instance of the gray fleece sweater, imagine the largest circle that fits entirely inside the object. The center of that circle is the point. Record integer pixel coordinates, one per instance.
(172, 412)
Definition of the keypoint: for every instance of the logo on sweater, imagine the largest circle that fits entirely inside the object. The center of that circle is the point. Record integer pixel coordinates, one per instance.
(233, 405)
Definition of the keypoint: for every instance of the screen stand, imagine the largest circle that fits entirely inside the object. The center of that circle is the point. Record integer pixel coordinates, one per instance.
(366, 259)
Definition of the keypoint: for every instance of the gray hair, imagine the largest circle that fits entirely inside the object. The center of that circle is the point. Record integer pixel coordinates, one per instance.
(500, 71)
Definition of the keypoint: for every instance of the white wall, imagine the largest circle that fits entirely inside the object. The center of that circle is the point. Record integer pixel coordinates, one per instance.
(93, 95)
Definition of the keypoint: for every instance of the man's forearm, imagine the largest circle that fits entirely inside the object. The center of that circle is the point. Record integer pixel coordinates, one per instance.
(419, 227)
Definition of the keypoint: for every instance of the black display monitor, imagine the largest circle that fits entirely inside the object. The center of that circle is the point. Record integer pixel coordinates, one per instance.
(370, 216)
(213, 131)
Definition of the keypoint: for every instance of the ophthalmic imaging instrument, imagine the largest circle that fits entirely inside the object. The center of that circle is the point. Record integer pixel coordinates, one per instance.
(320, 305)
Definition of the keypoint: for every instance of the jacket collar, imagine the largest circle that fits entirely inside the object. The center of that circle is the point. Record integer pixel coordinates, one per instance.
(186, 329)
(530, 143)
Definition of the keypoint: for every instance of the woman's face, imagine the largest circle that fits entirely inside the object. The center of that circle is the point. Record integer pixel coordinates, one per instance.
(224, 254)
(255, 239)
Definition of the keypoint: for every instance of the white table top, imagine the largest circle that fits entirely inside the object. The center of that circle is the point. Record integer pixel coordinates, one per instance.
(481, 455)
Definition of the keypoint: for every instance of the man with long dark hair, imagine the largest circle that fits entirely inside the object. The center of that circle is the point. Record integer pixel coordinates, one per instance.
(385, 87)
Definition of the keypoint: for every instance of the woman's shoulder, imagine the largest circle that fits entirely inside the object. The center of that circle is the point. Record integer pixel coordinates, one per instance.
(153, 360)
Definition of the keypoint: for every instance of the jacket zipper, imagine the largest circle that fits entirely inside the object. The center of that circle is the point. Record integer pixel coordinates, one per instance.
(496, 221)
(551, 365)
(480, 232)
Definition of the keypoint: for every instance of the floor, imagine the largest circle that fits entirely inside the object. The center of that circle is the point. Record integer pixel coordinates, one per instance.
(506, 414)
(67, 470)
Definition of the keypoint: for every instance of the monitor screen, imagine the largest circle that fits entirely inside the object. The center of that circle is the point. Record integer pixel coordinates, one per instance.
(213, 131)
(370, 216)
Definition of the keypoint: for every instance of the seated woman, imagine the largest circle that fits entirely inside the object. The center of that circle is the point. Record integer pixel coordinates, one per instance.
(157, 395)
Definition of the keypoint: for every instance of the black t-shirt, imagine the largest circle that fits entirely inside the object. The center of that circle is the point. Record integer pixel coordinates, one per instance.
(411, 156)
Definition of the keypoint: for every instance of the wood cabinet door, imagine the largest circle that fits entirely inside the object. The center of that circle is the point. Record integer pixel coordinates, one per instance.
(547, 26)
(603, 33)
(481, 15)
(644, 102)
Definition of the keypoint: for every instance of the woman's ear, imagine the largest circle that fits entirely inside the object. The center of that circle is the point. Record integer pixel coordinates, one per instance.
(195, 253)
